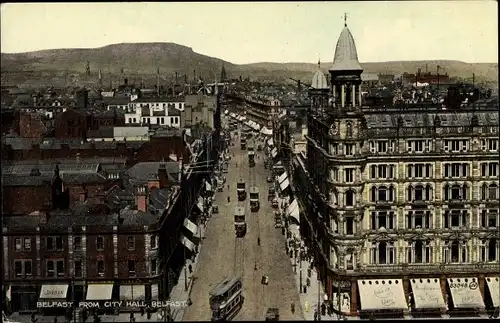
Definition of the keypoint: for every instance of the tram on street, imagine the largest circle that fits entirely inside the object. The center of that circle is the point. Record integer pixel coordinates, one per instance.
(243, 142)
(241, 190)
(240, 225)
(226, 299)
(254, 199)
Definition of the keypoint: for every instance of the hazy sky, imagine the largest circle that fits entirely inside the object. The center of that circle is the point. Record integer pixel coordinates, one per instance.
(244, 32)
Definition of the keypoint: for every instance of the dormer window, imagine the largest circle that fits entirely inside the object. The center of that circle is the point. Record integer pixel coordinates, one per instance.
(349, 130)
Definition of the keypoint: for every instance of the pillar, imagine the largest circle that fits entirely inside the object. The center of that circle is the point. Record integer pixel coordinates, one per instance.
(334, 92)
(343, 96)
(359, 95)
(354, 298)
(353, 95)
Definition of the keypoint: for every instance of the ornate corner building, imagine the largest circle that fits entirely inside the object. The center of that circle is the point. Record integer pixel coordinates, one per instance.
(401, 205)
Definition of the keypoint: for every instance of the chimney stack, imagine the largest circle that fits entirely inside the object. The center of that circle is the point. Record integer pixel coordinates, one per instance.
(141, 199)
(163, 175)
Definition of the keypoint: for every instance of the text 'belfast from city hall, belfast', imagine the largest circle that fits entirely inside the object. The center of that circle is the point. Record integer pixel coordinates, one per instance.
(401, 202)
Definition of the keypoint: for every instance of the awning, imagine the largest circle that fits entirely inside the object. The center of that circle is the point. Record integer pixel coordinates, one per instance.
(133, 292)
(270, 142)
(427, 293)
(233, 115)
(226, 111)
(208, 187)
(465, 293)
(284, 184)
(282, 177)
(199, 204)
(494, 287)
(99, 292)
(50, 291)
(257, 126)
(266, 131)
(154, 292)
(382, 294)
(295, 230)
(187, 243)
(274, 152)
(294, 211)
(193, 228)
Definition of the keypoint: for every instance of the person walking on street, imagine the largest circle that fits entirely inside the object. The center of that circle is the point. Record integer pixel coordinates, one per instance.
(34, 319)
(292, 308)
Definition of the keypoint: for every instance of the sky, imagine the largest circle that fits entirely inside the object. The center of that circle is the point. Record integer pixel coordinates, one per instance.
(250, 32)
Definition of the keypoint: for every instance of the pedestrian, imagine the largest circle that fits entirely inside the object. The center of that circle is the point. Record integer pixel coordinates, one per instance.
(315, 315)
(34, 319)
(292, 308)
(190, 267)
(142, 311)
(55, 319)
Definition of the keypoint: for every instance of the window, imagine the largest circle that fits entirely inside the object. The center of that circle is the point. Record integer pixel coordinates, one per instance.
(419, 252)
(27, 244)
(382, 219)
(419, 220)
(382, 146)
(77, 243)
(131, 268)
(489, 218)
(154, 243)
(350, 198)
(100, 268)
(78, 269)
(455, 192)
(492, 145)
(154, 268)
(455, 252)
(383, 253)
(349, 130)
(100, 243)
(349, 149)
(382, 171)
(18, 244)
(383, 194)
(334, 149)
(349, 226)
(349, 175)
(131, 243)
(55, 268)
(54, 243)
(489, 192)
(455, 219)
(373, 172)
(489, 250)
(22, 268)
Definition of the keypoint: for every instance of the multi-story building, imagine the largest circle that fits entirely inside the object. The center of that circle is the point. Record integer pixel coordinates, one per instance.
(401, 204)
(153, 111)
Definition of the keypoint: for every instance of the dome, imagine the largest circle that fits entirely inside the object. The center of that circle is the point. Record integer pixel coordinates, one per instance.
(346, 55)
(319, 80)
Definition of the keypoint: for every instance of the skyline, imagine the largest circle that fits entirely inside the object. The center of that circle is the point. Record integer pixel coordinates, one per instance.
(301, 32)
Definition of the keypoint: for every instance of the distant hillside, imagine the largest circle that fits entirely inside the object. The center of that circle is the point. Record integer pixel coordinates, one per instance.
(140, 60)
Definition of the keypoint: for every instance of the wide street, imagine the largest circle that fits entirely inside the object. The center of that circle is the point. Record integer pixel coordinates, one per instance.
(223, 255)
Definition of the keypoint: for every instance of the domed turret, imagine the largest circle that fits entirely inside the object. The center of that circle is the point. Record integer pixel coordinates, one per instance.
(346, 55)
(319, 80)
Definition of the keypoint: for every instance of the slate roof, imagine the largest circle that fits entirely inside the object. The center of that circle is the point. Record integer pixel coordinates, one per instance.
(142, 172)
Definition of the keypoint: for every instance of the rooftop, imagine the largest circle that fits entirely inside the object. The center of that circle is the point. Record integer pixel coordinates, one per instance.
(346, 55)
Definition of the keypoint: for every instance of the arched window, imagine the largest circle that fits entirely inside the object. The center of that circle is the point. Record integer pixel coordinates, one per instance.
(410, 193)
(493, 192)
(382, 193)
(446, 192)
(349, 130)
(465, 191)
(428, 192)
(373, 194)
(349, 259)
(484, 192)
(419, 193)
(350, 197)
(335, 198)
(391, 193)
(456, 192)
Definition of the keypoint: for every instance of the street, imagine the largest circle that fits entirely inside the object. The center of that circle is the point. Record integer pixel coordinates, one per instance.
(224, 255)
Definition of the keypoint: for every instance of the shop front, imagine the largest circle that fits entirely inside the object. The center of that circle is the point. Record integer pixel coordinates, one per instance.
(492, 295)
(382, 298)
(426, 297)
(22, 298)
(464, 297)
(341, 297)
(100, 294)
(53, 300)
(133, 297)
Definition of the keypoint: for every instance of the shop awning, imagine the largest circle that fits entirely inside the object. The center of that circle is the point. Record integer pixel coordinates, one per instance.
(295, 230)
(266, 131)
(52, 291)
(382, 294)
(427, 293)
(494, 287)
(99, 292)
(133, 292)
(257, 126)
(274, 152)
(154, 292)
(233, 115)
(187, 243)
(282, 177)
(465, 293)
(294, 211)
(193, 228)
(226, 111)
(199, 204)
(284, 184)
(270, 142)
(208, 187)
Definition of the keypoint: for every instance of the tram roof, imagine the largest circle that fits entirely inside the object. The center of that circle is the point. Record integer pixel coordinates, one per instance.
(254, 189)
(239, 210)
(224, 286)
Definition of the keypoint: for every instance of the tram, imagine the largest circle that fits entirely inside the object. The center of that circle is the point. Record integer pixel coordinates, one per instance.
(243, 142)
(251, 153)
(240, 225)
(254, 199)
(226, 299)
(241, 190)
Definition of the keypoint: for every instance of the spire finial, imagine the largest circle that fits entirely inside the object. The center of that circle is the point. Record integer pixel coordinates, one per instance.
(345, 19)
(319, 63)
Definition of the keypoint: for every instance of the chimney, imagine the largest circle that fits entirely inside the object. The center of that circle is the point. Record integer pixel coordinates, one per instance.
(180, 170)
(141, 199)
(163, 175)
(154, 181)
